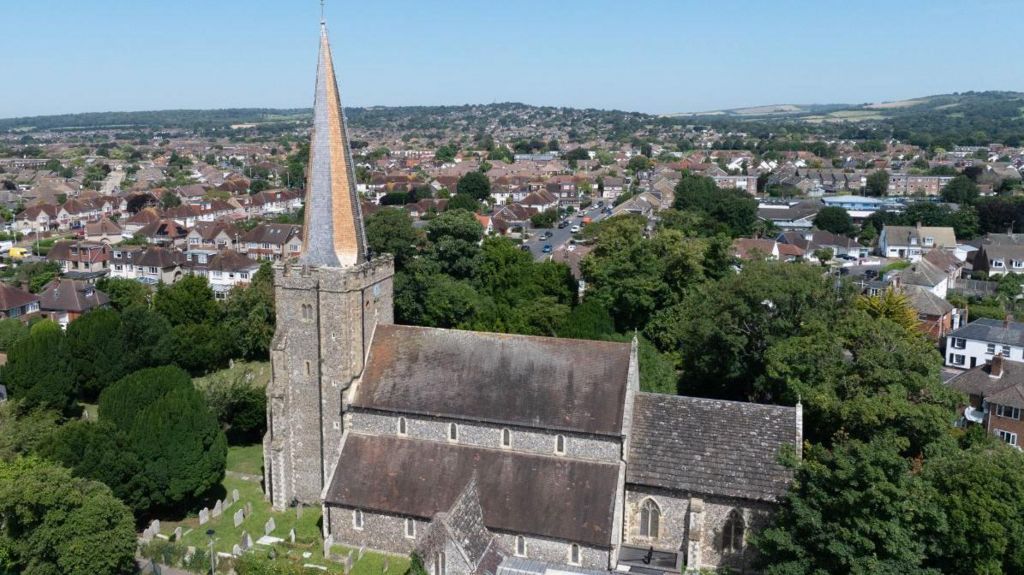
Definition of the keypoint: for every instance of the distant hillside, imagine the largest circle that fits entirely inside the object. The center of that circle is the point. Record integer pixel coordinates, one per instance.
(155, 119)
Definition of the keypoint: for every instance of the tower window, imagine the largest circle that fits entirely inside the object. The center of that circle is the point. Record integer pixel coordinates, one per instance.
(574, 554)
(440, 568)
(560, 444)
(506, 438)
(402, 429)
(410, 529)
(453, 432)
(520, 546)
(309, 370)
(650, 519)
(732, 533)
(357, 519)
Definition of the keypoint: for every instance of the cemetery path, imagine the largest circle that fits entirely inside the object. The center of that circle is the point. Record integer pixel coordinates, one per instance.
(243, 476)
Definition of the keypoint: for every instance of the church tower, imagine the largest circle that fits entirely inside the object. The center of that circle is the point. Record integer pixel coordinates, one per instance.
(328, 305)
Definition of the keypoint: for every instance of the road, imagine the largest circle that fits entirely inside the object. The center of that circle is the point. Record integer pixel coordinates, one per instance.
(560, 237)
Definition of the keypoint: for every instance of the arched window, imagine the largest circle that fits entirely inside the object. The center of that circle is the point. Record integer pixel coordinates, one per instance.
(520, 546)
(453, 432)
(357, 519)
(309, 370)
(402, 430)
(560, 444)
(732, 532)
(506, 438)
(410, 528)
(574, 554)
(650, 519)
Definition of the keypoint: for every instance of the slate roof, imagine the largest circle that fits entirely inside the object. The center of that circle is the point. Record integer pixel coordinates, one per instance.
(978, 381)
(71, 295)
(541, 382)
(710, 446)
(992, 331)
(273, 234)
(922, 273)
(926, 302)
(554, 497)
(464, 527)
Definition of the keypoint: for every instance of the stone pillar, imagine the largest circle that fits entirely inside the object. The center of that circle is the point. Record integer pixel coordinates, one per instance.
(695, 530)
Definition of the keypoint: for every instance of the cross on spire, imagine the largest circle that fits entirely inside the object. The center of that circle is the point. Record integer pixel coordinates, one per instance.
(322, 19)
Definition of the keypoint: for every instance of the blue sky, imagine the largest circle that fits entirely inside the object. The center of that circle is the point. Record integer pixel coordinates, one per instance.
(659, 56)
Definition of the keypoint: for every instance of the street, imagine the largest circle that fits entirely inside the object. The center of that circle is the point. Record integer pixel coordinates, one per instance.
(560, 237)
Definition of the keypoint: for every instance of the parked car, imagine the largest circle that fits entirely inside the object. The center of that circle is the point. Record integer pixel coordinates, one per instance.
(563, 224)
(575, 229)
(525, 247)
(547, 249)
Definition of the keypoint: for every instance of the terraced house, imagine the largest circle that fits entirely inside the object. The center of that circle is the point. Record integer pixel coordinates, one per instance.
(491, 453)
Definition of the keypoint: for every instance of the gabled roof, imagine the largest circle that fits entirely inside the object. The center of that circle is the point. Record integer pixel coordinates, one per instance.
(539, 382)
(992, 331)
(12, 297)
(710, 446)
(925, 302)
(1008, 387)
(547, 496)
(922, 273)
(274, 234)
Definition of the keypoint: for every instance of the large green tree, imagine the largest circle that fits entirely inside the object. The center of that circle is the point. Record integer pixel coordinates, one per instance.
(98, 350)
(476, 185)
(250, 316)
(834, 219)
(960, 190)
(729, 210)
(52, 523)
(877, 184)
(38, 370)
(390, 231)
(188, 301)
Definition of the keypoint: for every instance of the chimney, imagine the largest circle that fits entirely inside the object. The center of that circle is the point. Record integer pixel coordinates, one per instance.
(995, 369)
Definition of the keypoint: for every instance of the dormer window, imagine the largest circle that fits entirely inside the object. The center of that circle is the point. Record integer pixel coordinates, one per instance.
(1018, 264)
(929, 241)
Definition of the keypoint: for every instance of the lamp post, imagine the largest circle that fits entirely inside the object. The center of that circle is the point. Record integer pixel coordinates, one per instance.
(213, 557)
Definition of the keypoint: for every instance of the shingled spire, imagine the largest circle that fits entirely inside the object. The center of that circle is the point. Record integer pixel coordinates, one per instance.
(333, 234)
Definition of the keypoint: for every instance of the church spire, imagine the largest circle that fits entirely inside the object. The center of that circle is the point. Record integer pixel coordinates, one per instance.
(333, 234)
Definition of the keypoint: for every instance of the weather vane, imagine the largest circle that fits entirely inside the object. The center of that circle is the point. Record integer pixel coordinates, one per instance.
(322, 19)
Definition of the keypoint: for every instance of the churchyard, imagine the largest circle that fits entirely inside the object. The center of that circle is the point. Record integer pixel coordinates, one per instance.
(254, 516)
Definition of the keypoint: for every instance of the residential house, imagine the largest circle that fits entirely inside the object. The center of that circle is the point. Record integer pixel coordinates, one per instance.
(911, 242)
(271, 202)
(995, 392)
(273, 242)
(936, 316)
(751, 249)
(164, 232)
(926, 275)
(37, 218)
(812, 240)
(65, 300)
(612, 187)
(81, 260)
(224, 270)
(979, 341)
(104, 230)
(1000, 254)
(17, 303)
(150, 265)
(139, 220)
(789, 215)
(540, 200)
(212, 235)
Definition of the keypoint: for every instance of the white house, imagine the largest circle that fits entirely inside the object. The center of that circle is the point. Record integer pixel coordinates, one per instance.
(979, 341)
(911, 242)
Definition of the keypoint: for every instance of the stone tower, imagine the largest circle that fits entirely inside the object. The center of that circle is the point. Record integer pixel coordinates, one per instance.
(328, 305)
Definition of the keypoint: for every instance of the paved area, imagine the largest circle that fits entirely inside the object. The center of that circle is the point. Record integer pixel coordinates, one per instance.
(559, 239)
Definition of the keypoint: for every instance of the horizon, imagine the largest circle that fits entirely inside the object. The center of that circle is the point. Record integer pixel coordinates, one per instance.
(123, 57)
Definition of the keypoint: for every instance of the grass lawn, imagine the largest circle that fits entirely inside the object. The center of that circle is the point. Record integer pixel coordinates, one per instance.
(248, 461)
(257, 371)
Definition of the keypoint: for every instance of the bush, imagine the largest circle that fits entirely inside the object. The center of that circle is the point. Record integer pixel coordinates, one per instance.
(11, 330)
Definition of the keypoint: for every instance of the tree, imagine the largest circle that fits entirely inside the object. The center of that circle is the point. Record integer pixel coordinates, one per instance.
(200, 348)
(391, 232)
(877, 184)
(97, 350)
(980, 491)
(960, 190)
(834, 219)
(123, 292)
(446, 154)
(831, 522)
(545, 219)
(823, 255)
(454, 242)
(239, 404)
(188, 301)
(475, 185)
(11, 330)
(170, 200)
(638, 163)
(122, 402)
(51, 522)
(146, 334)
(890, 305)
(101, 452)
(729, 210)
(249, 315)
(38, 370)
(23, 430)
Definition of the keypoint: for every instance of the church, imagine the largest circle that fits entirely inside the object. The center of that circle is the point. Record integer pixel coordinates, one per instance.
(485, 452)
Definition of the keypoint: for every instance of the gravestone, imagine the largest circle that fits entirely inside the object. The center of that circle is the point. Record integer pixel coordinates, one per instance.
(218, 509)
(190, 552)
(234, 496)
(291, 536)
(177, 533)
(204, 516)
(362, 549)
(154, 526)
(269, 526)
(226, 503)
(246, 541)
(147, 535)
(328, 543)
(236, 550)
(386, 566)
(239, 517)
